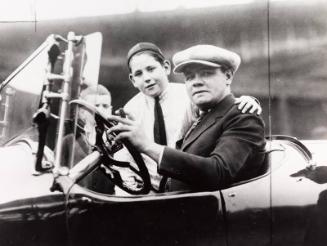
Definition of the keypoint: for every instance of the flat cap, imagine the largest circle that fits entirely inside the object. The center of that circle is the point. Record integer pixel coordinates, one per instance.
(208, 55)
(143, 46)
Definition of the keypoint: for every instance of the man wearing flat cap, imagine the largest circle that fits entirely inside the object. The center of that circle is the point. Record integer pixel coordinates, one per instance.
(223, 146)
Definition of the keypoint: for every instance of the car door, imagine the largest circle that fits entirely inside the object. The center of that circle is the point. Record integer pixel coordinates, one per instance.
(249, 203)
(162, 219)
(248, 213)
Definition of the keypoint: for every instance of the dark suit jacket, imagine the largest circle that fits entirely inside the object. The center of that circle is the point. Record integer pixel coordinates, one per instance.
(225, 147)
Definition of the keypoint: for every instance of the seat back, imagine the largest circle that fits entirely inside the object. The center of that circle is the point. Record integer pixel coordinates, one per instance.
(265, 166)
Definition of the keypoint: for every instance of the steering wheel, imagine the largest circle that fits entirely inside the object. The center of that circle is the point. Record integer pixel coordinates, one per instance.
(107, 149)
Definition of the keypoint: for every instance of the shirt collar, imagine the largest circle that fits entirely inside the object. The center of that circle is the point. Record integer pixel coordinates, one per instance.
(162, 97)
(219, 108)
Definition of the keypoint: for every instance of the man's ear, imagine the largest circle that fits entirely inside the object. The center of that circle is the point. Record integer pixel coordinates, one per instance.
(167, 67)
(130, 76)
(229, 76)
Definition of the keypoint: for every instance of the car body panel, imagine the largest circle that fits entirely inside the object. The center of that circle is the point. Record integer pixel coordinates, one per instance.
(29, 211)
(159, 220)
(279, 208)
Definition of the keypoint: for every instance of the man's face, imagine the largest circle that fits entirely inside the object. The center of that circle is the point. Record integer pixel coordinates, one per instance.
(205, 85)
(101, 102)
(148, 75)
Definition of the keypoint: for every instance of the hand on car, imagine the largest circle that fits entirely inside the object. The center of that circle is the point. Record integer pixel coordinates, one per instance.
(248, 104)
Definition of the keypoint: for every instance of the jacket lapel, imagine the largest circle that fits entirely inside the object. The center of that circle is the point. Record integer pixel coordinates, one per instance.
(208, 120)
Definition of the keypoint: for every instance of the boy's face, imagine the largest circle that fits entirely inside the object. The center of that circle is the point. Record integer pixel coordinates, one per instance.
(101, 102)
(148, 75)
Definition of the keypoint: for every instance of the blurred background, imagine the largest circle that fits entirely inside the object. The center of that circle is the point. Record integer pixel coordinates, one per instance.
(282, 45)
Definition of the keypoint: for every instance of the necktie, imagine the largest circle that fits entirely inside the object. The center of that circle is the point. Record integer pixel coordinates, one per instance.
(159, 130)
(159, 133)
(197, 121)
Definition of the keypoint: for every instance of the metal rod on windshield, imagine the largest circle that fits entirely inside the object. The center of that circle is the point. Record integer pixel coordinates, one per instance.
(68, 71)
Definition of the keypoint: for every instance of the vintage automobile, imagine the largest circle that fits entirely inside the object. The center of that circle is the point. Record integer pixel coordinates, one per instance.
(43, 202)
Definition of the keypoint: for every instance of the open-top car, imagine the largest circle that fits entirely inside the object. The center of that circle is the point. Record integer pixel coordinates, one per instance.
(46, 202)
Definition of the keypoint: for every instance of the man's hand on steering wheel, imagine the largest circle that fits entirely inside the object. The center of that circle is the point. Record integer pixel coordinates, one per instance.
(132, 131)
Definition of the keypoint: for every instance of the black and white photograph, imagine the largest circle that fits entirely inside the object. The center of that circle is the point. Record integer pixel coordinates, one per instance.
(176, 122)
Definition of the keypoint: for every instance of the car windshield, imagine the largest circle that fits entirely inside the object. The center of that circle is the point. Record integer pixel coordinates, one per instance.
(21, 92)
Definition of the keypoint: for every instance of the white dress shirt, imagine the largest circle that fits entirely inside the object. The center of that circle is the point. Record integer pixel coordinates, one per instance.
(177, 113)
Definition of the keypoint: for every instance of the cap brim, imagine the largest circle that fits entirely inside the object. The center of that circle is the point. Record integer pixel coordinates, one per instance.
(180, 67)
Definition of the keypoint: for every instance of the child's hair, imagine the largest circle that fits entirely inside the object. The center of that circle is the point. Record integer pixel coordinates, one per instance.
(94, 90)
